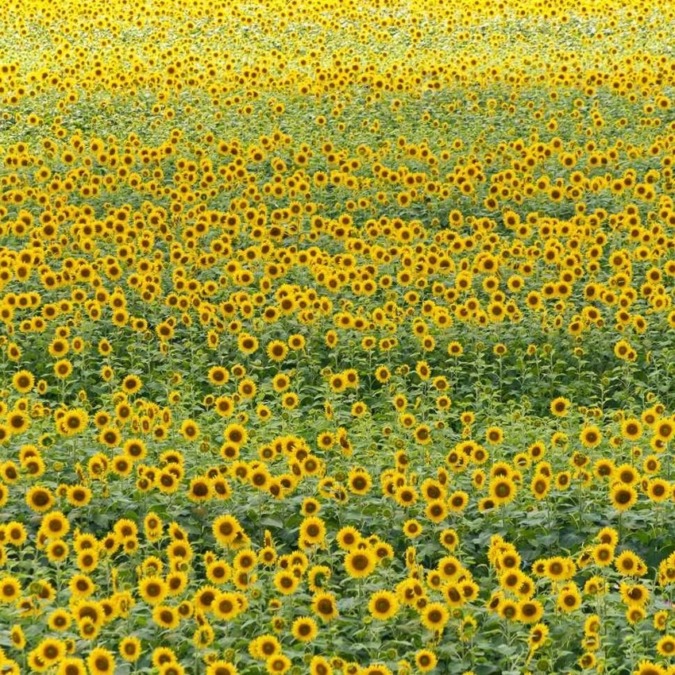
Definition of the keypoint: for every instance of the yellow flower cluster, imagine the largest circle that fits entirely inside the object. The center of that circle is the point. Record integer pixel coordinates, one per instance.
(337, 337)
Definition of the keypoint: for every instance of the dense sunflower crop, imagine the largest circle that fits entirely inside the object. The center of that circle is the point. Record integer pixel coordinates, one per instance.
(337, 337)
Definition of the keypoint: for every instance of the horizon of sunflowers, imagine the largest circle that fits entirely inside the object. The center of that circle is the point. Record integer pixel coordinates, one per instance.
(337, 337)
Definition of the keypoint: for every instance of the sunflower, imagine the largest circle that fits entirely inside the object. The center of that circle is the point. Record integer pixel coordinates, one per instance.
(205, 598)
(57, 551)
(72, 666)
(406, 496)
(165, 617)
(455, 349)
(449, 539)
(296, 342)
(73, 422)
(153, 589)
(412, 529)
(304, 629)
(227, 605)
(63, 368)
(502, 490)
(189, 430)
(59, 620)
(132, 384)
(259, 477)
(436, 511)
(360, 563)
(649, 668)
(530, 611)
(422, 434)
(631, 429)
(125, 528)
(55, 525)
(78, 495)
(23, 381)
(319, 665)
(666, 646)
(590, 436)
(221, 668)
(247, 344)
(278, 663)
(39, 499)
(286, 582)
(101, 661)
(224, 406)
(277, 351)
(494, 435)
(383, 605)
(51, 651)
(166, 482)
(81, 586)
(555, 568)
(633, 595)
(281, 382)
(290, 401)
(434, 616)
(658, 490)
(312, 530)
(628, 563)
(348, 538)
(338, 383)
(425, 660)
(560, 406)
(218, 376)
(660, 620)
(135, 449)
(359, 481)
(162, 656)
(236, 434)
(110, 437)
(665, 429)
(130, 649)
(627, 474)
(623, 497)
(324, 605)
(458, 501)
(17, 637)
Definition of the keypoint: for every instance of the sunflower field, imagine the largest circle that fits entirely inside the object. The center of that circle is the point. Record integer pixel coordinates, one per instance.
(337, 337)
